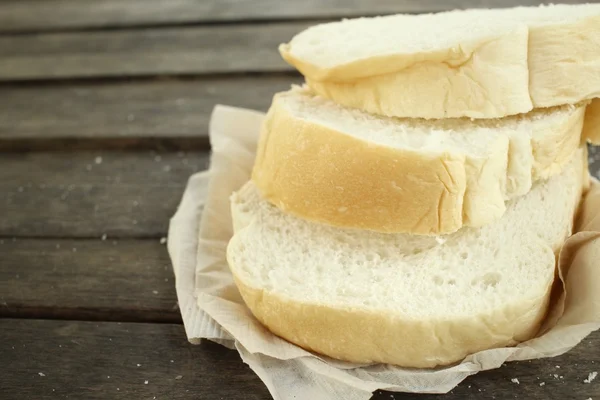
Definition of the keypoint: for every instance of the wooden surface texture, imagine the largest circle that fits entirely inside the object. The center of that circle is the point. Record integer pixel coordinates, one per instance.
(104, 111)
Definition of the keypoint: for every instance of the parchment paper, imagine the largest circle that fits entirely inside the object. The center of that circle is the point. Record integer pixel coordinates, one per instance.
(213, 309)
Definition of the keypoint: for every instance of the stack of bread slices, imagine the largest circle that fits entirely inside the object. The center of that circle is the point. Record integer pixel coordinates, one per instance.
(408, 203)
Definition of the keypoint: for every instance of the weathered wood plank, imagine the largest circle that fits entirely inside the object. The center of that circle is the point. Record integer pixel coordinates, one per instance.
(36, 15)
(104, 360)
(119, 111)
(101, 280)
(60, 359)
(88, 194)
(146, 52)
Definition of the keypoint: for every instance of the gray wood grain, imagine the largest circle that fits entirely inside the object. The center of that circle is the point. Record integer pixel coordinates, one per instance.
(118, 111)
(99, 360)
(36, 15)
(95, 279)
(104, 360)
(146, 52)
(594, 160)
(88, 194)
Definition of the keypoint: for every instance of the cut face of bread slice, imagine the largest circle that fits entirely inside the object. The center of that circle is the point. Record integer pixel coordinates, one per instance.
(343, 167)
(403, 299)
(472, 63)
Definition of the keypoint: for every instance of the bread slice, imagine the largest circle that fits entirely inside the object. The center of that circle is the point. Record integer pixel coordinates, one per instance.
(344, 167)
(409, 300)
(473, 63)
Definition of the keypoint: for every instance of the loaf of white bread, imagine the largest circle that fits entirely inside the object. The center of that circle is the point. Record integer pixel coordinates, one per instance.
(381, 224)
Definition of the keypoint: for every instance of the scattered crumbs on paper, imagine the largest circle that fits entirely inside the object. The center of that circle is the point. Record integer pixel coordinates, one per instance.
(118, 389)
(515, 380)
(157, 158)
(108, 376)
(167, 168)
(542, 383)
(163, 240)
(561, 377)
(558, 366)
(145, 382)
(139, 365)
(155, 291)
(74, 249)
(41, 374)
(104, 237)
(172, 361)
(555, 376)
(591, 377)
(98, 160)
(178, 377)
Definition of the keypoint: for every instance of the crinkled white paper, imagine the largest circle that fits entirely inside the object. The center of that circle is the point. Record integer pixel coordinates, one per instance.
(212, 308)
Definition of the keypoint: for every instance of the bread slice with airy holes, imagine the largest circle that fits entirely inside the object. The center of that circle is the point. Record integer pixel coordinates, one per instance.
(414, 301)
(344, 167)
(474, 63)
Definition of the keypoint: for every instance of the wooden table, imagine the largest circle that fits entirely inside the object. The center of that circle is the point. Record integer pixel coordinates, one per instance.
(104, 108)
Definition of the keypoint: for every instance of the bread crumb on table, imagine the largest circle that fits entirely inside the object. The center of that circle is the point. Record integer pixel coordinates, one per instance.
(591, 377)
(515, 380)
